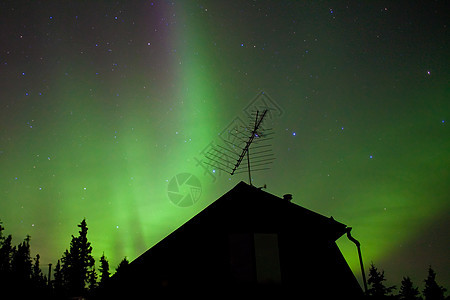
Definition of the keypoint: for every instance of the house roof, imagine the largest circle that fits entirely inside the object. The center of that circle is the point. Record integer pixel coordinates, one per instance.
(247, 209)
(195, 251)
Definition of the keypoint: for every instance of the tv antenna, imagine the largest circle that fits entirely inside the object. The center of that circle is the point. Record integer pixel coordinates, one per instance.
(239, 141)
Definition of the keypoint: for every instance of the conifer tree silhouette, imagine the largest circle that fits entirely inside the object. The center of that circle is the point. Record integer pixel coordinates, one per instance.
(21, 262)
(104, 270)
(92, 279)
(377, 288)
(408, 291)
(432, 290)
(122, 265)
(6, 254)
(78, 262)
(37, 278)
(58, 281)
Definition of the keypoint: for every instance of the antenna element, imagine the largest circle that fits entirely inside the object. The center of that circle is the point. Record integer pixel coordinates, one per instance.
(239, 141)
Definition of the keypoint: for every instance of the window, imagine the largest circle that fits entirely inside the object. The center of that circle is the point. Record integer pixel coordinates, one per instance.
(267, 258)
(255, 257)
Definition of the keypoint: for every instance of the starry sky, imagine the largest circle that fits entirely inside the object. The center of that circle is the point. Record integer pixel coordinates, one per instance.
(107, 109)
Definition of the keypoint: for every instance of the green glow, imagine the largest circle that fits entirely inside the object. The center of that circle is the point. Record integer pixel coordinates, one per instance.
(112, 128)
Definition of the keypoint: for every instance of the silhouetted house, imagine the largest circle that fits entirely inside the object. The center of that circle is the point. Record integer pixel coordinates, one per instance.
(247, 241)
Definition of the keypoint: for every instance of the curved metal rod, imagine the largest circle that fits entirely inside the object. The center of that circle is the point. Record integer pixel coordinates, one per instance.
(358, 246)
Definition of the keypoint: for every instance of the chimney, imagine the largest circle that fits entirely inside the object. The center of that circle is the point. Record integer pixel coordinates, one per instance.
(287, 197)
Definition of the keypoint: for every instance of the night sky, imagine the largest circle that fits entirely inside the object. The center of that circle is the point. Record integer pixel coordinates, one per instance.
(106, 107)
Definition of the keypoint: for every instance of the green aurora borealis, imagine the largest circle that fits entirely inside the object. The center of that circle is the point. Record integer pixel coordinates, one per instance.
(103, 103)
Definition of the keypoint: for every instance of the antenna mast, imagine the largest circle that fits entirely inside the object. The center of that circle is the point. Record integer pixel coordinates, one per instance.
(247, 146)
(219, 156)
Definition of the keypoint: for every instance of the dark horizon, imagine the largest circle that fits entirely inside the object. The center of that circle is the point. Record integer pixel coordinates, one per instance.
(107, 111)
(264, 224)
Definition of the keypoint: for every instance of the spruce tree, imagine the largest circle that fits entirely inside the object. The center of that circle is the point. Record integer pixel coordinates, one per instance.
(377, 288)
(21, 262)
(408, 291)
(37, 277)
(122, 265)
(92, 279)
(58, 281)
(36, 273)
(21, 269)
(77, 262)
(104, 270)
(432, 290)
(6, 254)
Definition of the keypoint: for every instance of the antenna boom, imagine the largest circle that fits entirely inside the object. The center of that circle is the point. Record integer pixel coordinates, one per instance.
(227, 157)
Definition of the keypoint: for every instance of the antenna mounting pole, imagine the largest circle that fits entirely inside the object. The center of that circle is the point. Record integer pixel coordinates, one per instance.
(248, 167)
